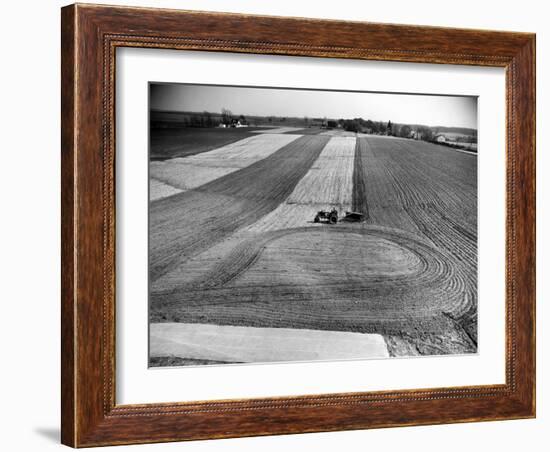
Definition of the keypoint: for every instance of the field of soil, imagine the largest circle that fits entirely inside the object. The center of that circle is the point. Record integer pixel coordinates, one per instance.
(181, 142)
(430, 191)
(308, 131)
(168, 177)
(187, 223)
(242, 250)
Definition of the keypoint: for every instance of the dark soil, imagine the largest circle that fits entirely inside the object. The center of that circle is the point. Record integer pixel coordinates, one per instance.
(171, 143)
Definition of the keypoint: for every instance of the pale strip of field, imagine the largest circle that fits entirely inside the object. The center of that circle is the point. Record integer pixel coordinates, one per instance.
(342, 133)
(190, 172)
(256, 345)
(158, 190)
(279, 130)
(328, 183)
(330, 178)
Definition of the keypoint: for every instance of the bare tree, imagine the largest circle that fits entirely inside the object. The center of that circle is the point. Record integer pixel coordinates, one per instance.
(227, 116)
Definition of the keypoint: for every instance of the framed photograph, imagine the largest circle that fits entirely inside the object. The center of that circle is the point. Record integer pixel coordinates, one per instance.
(281, 225)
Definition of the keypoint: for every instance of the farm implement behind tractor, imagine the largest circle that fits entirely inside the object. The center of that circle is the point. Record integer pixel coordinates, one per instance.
(331, 217)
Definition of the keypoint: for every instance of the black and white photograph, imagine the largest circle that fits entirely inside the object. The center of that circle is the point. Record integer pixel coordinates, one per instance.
(300, 225)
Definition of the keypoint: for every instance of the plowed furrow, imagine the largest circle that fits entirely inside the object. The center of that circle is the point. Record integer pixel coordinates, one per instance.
(360, 194)
(430, 192)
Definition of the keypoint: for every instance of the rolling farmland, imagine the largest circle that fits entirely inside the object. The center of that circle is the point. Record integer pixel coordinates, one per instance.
(187, 223)
(429, 191)
(168, 143)
(182, 174)
(232, 241)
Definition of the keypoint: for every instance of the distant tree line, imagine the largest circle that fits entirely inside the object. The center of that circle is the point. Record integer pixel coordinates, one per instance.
(418, 132)
(375, 127)
(176, 119)
(167, 119)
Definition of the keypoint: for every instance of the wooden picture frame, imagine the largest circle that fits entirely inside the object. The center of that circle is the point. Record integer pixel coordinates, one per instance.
(90, 36)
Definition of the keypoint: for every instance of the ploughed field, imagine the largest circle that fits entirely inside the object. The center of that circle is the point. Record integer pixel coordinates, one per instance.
(232, 238)
(167, 143)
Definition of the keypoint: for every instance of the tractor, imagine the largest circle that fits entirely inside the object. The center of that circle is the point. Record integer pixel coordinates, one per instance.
(330, 217)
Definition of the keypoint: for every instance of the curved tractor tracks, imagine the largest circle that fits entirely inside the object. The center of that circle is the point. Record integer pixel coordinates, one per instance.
(434, 267)
(421, 302)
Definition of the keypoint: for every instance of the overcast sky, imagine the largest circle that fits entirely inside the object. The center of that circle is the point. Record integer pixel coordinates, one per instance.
(400, 108)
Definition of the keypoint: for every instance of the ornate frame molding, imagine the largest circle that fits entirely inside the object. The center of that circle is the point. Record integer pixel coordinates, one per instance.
(90, 37)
